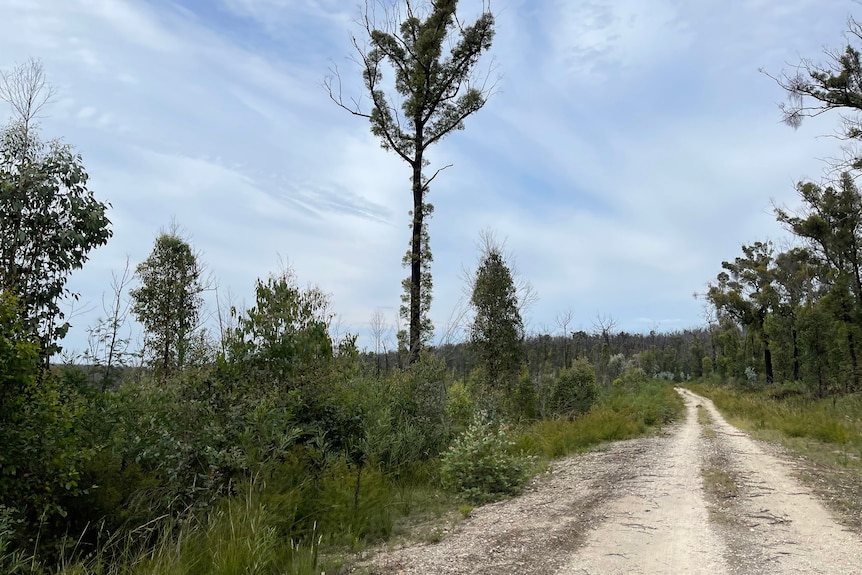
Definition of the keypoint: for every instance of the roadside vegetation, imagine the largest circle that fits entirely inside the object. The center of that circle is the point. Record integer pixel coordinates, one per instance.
(273, 443)
(827, 430)
(268, 442)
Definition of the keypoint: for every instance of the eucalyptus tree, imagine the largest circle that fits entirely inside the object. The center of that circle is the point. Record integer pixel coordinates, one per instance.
(434, 94)
(815, 88)
(49, 219)
(830, 222)
(745, 292)
(168, 302)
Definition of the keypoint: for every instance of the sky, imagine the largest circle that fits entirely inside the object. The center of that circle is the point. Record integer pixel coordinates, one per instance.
(629, 148)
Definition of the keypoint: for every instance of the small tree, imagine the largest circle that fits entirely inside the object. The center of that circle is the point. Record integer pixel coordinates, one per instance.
(49, 219)
(497, 333)
(574, 391)
(168, 302)
(285, 335)
(110, 338)
(436, 92)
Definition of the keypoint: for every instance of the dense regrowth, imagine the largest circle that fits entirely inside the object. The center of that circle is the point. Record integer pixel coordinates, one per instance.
(273, 445)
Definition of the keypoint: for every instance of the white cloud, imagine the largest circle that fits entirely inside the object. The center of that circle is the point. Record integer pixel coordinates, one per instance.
(630, 149)
(600, 40)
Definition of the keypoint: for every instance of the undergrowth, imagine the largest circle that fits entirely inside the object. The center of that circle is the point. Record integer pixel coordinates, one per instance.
(622, 414)
(292, 522)
(829, 429)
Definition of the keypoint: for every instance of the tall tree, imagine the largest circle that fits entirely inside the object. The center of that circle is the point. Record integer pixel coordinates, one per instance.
(426, 283)
(49, 219)
(436, 93)
(497, 333)
(830, 222)
(795, 284)
(168, 301)
(745, 292)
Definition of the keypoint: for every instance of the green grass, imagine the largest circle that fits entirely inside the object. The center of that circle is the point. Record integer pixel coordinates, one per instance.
(621, 415)
(829, 430)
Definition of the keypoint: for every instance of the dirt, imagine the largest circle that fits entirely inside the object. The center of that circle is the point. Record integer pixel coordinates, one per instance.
(700, 497)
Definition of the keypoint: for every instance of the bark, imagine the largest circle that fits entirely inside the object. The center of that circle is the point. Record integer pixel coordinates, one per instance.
(416, 257)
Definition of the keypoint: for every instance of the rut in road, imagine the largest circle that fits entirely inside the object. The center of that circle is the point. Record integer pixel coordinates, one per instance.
(639, 506)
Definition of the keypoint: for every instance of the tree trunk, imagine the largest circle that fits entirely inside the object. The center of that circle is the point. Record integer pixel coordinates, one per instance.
(767, 358)
(851, 343)
(416, 260)
(795, 355)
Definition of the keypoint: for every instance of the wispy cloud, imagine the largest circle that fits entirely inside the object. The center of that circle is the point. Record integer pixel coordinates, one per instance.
(629, 149)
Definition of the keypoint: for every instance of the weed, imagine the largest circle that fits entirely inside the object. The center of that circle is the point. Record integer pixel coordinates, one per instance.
(719, 483)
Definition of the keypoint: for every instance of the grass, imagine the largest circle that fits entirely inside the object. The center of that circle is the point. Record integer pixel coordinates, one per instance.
(621, 415)
(705, 421)
(827, 430)
(825, 434)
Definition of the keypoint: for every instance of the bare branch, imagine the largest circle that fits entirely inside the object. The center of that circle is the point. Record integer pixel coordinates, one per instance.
(26, 90)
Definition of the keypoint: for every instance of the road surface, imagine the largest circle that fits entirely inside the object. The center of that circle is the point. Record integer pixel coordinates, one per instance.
(701, 497)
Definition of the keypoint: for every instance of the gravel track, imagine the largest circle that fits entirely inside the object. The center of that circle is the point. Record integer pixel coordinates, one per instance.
(697, 498)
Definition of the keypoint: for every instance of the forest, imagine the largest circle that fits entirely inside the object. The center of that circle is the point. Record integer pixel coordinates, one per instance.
(274, 444)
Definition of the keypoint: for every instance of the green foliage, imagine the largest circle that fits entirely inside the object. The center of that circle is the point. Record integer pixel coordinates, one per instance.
(574, 391)
(436, 96)
(169, 301)
(460, 407)
(497, 332)
(524, 400)
(746, 293)
(393, 422)
(825, 420)
(49, 219)
(41, 455)
(814, 88)
(284, 338)
(12, 559)
(480, 465)
(621, 415)
(707, 366)
(424, 296)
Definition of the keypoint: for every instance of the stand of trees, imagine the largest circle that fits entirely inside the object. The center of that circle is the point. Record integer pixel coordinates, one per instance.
(796, 316)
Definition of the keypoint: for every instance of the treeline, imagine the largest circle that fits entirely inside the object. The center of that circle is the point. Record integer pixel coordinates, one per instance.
(795, 316)
(673, 356)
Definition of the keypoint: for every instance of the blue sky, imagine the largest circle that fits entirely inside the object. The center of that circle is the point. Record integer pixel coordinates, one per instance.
(630, 148)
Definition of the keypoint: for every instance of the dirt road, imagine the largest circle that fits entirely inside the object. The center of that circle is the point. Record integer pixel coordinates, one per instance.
(702, 497)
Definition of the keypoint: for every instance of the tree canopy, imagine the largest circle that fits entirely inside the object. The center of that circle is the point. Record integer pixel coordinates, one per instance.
(434, 93)
(49, 219)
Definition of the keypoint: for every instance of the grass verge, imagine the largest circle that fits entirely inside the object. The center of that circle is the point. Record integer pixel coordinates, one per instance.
(822, 436)
(622, 414)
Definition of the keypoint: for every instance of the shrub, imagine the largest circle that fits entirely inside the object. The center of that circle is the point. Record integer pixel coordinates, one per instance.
(480, 465)
(574, 391)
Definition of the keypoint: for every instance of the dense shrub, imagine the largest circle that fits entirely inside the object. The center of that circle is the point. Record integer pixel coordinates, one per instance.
(41, 453)
(574, 391)
(480, 465)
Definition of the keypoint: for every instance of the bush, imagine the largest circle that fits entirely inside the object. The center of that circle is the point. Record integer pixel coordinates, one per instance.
(480, 465)
(574, 391)
(41, 455)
